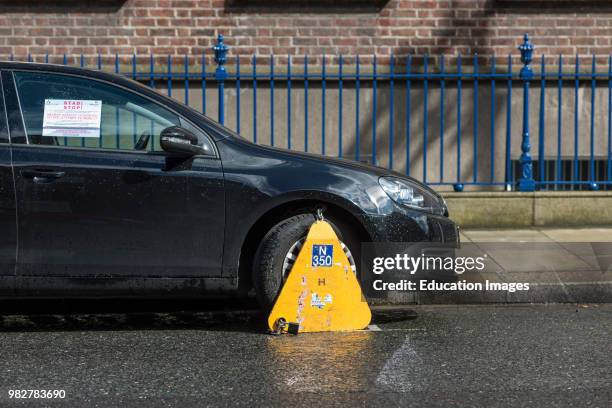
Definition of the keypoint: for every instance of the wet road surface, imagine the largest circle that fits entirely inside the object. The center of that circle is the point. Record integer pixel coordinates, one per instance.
(488, 356)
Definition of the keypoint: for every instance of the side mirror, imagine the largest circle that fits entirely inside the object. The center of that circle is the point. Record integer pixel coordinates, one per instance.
(180, 141)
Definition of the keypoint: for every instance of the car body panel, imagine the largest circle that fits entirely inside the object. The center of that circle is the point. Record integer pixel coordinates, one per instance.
(118, 214)
(259, 179)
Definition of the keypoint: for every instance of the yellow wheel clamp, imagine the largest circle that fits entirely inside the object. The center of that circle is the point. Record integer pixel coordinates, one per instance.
(321, 292)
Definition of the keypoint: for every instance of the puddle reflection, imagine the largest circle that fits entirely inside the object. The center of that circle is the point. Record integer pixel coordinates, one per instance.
(335, 362)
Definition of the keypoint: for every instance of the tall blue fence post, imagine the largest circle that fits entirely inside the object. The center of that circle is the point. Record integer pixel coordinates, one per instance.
(221, 50)
(526, 181)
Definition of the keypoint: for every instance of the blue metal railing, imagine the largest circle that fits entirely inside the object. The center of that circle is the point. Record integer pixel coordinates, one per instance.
(563, 166)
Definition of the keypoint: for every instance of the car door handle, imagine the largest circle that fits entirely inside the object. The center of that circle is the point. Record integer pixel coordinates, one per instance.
(42, 175)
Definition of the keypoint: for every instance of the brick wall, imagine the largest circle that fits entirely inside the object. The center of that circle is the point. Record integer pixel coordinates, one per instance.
(303, 27)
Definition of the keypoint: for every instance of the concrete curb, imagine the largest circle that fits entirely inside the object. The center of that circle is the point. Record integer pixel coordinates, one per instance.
(518, 210)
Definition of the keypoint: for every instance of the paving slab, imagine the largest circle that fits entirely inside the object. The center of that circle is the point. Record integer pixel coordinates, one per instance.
(578, 234)
(505, 235)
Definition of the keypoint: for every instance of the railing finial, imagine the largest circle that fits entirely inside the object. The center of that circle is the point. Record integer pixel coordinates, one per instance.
(526, 49)
(220, 50)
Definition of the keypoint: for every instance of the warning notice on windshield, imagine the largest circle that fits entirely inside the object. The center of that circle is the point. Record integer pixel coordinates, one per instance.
(72, 118)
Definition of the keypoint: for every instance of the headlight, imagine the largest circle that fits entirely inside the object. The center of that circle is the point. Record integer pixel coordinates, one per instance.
(410, 195)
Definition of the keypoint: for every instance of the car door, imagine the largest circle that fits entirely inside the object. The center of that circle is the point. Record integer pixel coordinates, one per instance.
(104, 202)
(8, 217)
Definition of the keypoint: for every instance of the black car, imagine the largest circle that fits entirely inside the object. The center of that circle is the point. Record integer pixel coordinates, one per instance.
(137, 194)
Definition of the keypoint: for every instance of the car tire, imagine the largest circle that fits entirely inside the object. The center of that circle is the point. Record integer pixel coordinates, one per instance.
(274, 247)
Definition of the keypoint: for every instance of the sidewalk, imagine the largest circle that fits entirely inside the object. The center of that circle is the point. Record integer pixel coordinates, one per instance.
(559, 235)
(561, 265)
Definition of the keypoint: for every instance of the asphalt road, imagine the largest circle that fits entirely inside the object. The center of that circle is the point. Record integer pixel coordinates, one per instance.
(448, 356)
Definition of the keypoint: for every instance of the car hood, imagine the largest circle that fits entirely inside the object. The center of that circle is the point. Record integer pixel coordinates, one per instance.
(224, 133)
(351, 164)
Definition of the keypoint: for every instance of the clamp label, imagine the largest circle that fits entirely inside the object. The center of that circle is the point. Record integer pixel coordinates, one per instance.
(322, 255)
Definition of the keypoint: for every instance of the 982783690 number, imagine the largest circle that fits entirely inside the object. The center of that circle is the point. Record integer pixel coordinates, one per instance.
(37, 394)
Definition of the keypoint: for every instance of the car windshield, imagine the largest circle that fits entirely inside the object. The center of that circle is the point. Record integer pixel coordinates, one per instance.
(220, 129)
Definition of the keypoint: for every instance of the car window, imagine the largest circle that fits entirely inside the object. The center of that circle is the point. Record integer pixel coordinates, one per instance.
(64, 110)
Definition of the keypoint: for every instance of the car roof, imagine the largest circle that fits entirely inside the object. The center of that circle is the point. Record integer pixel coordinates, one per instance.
(117, 79)
(67, 69)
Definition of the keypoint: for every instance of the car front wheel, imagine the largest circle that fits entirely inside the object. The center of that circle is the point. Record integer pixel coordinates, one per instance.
(280, 247)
